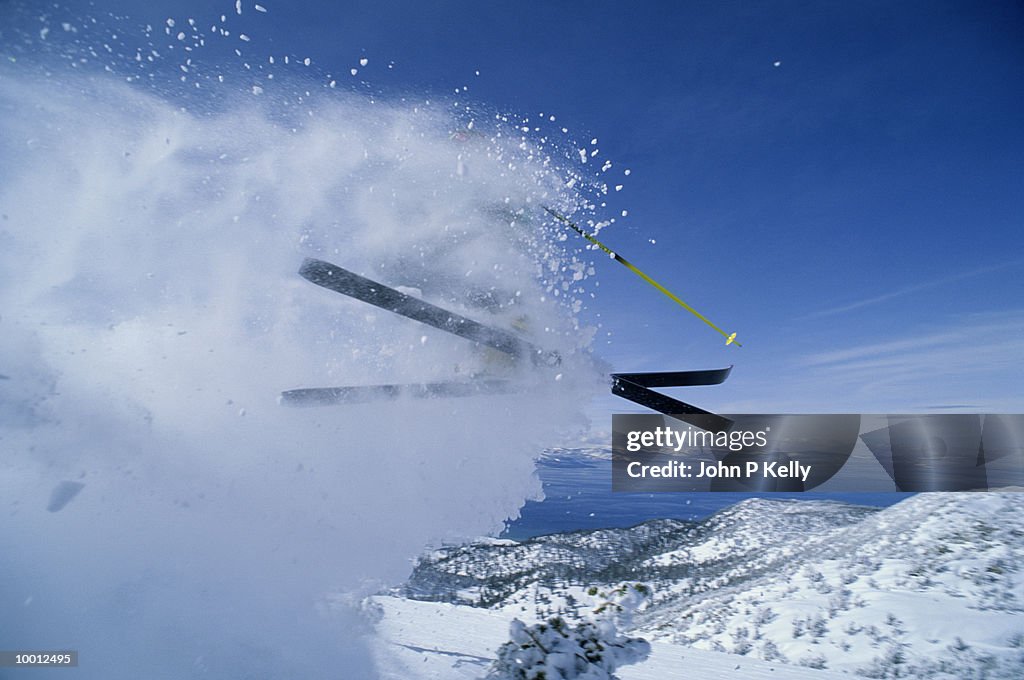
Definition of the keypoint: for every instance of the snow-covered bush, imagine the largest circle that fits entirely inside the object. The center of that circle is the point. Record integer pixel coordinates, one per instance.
(590, 650)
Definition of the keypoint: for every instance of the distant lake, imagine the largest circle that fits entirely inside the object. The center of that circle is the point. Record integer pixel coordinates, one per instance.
(578, 495)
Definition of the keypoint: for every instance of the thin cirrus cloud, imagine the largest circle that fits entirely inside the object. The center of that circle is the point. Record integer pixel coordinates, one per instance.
(908, 290)
(978, 357)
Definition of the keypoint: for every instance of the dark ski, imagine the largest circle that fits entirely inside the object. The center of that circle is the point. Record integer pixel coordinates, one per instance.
(341, 280)
(636, 388)
(361, 394)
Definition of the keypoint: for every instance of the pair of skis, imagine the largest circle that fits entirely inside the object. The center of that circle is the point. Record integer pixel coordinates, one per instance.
(635, 387)
(340, 280)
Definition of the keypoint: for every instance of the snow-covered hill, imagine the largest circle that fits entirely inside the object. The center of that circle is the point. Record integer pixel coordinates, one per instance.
(438, 641)
(675, 556)
(930, 587)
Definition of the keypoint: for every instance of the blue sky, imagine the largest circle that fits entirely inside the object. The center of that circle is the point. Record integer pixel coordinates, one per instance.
(841, 183)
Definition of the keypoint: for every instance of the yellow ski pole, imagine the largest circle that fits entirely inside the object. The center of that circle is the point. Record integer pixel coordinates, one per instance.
(730, 339)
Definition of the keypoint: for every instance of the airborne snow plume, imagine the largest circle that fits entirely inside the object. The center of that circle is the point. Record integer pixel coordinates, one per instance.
(151, 315)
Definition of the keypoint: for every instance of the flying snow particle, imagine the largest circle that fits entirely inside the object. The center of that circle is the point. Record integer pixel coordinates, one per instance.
(243, 36)
(777, 64)
(354, 71)
(259, 8)
(364, 61)
(307, 61)
(238, 6)
(256, 89)
(62, 495)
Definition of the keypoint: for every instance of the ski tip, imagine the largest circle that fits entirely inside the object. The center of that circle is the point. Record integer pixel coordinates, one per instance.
(312, 266)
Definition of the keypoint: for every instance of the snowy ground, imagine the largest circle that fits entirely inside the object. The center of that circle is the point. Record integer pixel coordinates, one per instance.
(428, 640)
(928, 588)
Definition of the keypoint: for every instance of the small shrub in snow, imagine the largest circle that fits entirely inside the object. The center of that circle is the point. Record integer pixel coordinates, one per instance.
(817, 627)
(799, 627)
(814, 661)
(770, 652)
(590, 650)
(741, 643)
(892, 664)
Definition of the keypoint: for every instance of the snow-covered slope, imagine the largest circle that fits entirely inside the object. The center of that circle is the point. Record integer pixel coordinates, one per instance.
(438, 641)
(930, 587)
(749, 538)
